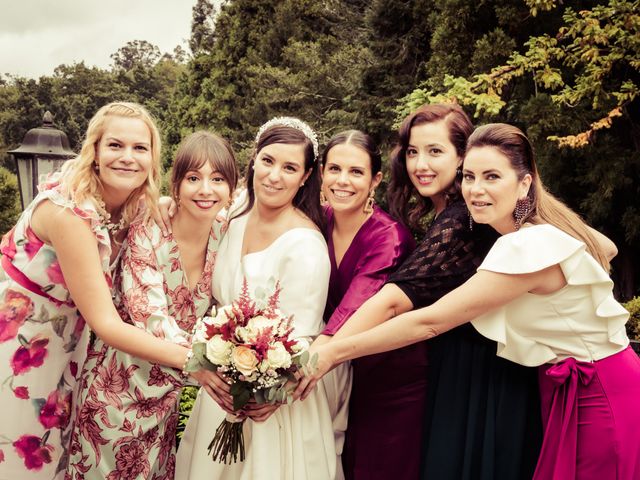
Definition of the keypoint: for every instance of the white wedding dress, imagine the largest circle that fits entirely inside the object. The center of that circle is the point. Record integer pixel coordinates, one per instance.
(297, 441)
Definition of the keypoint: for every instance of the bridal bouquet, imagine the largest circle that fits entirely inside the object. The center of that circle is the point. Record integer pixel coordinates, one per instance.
(250, 342)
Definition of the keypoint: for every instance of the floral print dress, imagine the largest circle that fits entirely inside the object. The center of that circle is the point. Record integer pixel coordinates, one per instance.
(127, 407)
(43, 342)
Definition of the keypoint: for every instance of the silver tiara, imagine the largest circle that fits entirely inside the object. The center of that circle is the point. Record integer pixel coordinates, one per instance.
(293, 123)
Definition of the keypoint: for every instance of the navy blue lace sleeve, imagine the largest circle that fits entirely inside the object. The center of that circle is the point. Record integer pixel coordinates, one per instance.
(447, 257)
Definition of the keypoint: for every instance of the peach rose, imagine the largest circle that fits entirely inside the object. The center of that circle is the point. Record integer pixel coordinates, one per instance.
(245, 360)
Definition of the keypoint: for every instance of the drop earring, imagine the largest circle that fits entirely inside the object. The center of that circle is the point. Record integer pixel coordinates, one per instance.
(523, 207)
(368, 206)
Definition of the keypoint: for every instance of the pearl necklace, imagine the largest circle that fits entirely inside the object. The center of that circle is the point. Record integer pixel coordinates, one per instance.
(105, 219)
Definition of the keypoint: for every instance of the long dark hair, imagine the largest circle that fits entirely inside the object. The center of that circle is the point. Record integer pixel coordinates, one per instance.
(359, 139)
(404, 201)
(545, 208)
(307, 199)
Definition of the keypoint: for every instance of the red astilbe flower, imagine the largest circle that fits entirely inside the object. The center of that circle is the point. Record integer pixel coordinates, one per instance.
(274, 299)
(262, 342)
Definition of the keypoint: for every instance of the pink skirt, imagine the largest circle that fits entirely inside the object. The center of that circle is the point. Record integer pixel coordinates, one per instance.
(591, 418)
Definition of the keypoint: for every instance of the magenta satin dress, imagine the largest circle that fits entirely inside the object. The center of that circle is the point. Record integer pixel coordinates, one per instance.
(591, 417)
(388, 394)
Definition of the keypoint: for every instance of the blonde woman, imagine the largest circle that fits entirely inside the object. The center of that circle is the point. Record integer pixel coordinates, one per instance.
(164, 286)
(56, 274)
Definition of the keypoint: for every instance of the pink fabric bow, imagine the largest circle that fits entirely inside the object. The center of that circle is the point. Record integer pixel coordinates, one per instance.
(561, 371)
(557, 459)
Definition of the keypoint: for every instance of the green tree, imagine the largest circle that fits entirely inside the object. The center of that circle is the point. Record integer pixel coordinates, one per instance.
(202, 27)
(135, 53)
(9, 200)
(572, 85)
(266, 58)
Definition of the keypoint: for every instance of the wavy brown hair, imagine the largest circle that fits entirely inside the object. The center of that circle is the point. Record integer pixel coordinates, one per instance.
(405, 203)
(545, 208)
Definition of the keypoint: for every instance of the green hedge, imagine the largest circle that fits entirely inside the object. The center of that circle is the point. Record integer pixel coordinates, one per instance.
(187, 399)
(10, 207)
(633, 325)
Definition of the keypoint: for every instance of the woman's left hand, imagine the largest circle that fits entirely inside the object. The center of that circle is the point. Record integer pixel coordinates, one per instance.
(311, 375)
(167, 208)
(260, 412)
(216, 387)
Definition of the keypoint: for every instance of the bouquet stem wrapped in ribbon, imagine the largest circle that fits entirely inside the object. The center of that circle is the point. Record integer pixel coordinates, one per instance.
(251, 343)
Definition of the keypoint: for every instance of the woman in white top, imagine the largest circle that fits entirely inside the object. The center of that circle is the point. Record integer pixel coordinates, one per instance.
(275, 238)
(544, 295)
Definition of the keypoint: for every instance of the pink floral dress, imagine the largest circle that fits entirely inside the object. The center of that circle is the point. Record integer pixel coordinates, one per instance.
(43, 342)
(127, 407)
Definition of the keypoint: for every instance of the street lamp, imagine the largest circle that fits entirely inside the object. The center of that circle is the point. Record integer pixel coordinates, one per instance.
(42, 151)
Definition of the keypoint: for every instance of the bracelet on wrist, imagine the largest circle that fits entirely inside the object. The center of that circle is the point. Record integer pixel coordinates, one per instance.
(185, 373)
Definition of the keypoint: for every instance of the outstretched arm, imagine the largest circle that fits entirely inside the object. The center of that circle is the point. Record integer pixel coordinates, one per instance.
(480, 294)
(387, 303)
(77, 254)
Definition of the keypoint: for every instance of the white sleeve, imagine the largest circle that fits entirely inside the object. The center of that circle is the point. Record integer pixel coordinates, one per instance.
(304, 272)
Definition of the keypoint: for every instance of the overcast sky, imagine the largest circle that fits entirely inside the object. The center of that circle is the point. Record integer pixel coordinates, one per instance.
(38, 35)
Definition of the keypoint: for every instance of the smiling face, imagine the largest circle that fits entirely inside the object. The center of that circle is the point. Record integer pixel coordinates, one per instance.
(347, 178)
(123, 156)
(203, 193)
(491, 188)
(431, 161)
(278, 172)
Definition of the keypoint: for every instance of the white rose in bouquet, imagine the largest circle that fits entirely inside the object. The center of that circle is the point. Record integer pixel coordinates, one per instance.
(254, 327)
(278, 357)
(301, 345)
(220, 317)
(219, 351)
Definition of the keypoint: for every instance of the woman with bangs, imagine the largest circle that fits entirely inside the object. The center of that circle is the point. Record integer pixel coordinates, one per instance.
(57, 274)
(164, 286)
(274, 236)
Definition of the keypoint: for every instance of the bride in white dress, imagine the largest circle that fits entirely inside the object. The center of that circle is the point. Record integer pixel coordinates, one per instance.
(274, 237)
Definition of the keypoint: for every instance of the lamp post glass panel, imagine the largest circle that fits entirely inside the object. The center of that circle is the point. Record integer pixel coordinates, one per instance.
(43, 151)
